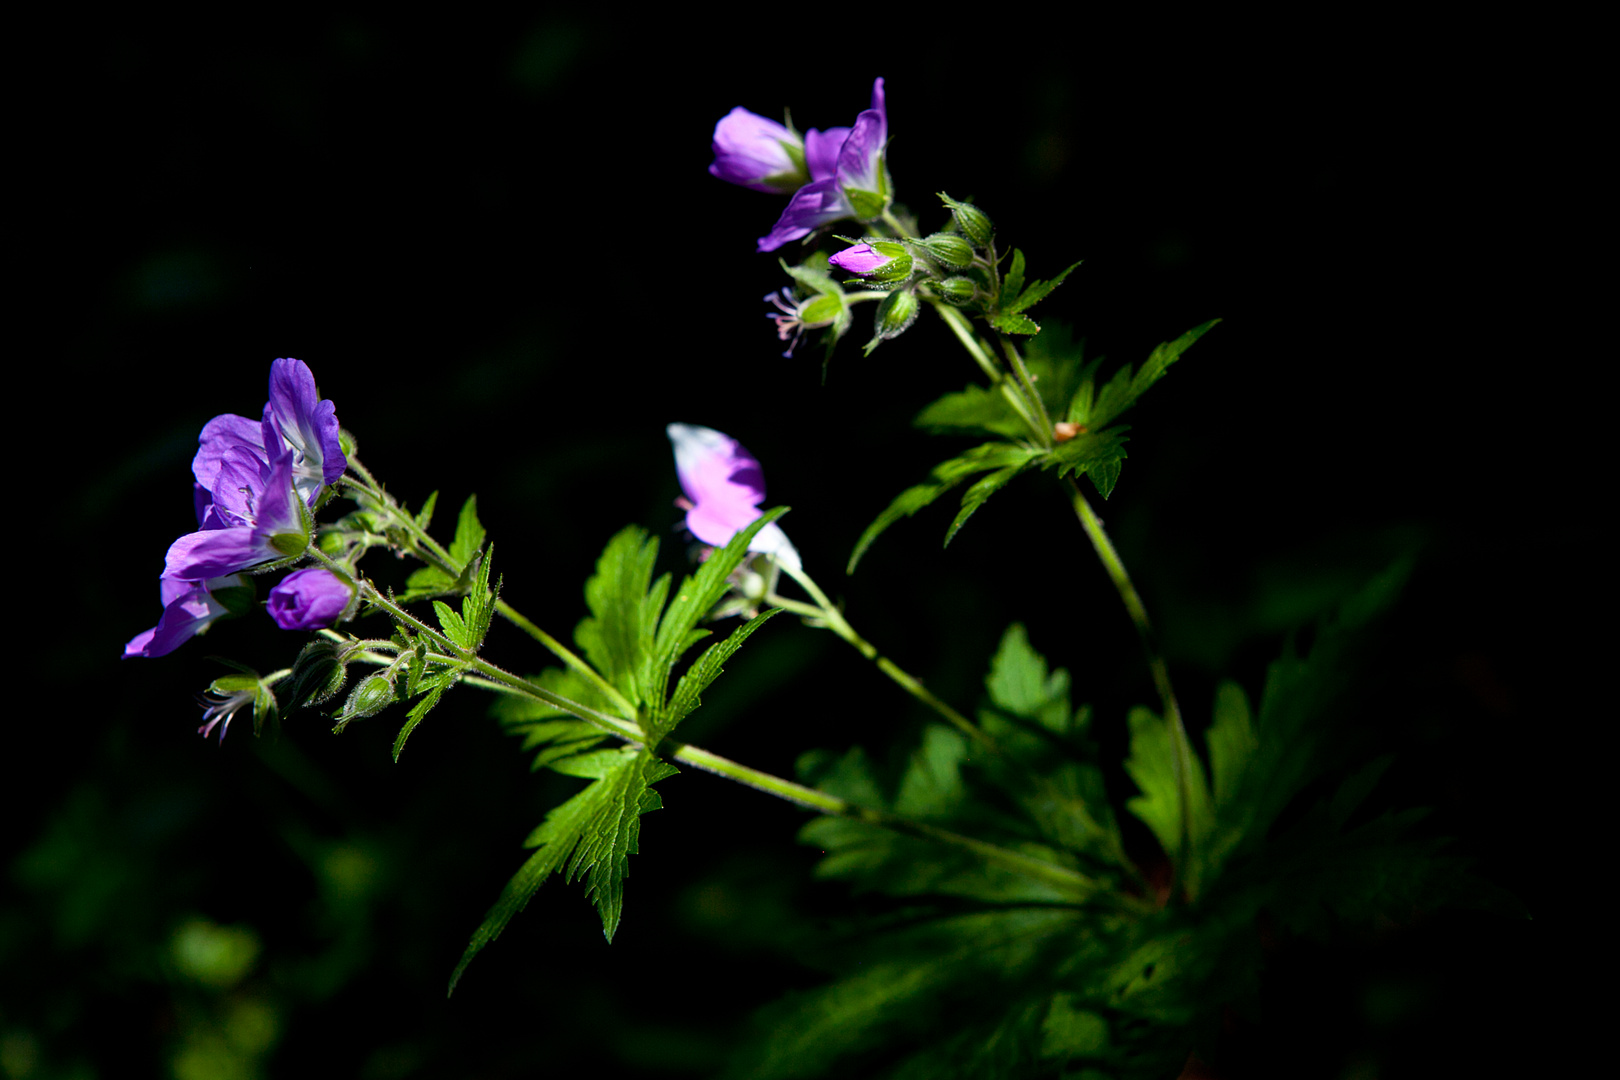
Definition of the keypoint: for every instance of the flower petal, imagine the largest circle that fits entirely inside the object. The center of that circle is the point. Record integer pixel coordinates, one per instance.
(812, 206)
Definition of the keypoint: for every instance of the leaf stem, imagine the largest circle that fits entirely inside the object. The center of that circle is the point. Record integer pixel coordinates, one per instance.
(963, 329)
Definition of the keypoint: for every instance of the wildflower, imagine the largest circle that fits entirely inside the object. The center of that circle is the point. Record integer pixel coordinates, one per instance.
(309, 599)
(189, 608)
(255, 517)
(724, 486)
(294, 419)
(857, 185)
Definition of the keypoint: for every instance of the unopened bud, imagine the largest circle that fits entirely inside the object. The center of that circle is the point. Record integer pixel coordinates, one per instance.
(374, 694)
(879, 262)
(949, 250)
(896, 314)
(973, 222)
(956, 290)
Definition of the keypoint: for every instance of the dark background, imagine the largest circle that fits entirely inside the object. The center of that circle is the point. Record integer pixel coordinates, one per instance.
(494, 241)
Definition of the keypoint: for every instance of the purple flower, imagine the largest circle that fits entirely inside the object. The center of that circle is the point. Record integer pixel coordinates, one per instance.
(189, 607)
(309, 599)
(724, 486)
(294, 419)
(855, 185)
(254, 517)
(757, 153)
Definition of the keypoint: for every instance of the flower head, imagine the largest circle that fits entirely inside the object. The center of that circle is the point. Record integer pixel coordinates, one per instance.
(757, 153)
(255, 517)
(189, 608)
(724, 486)
(309, 599)
(294, 419)
(856, 184)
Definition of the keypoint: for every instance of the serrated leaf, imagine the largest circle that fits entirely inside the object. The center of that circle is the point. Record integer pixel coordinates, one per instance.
(701, 674)
(1037, 291)
(619, 635)
(426, 581)
(1105, 474)
(1093, 450)
(1124, 388)
(946, 475)
(452, 624)
(590, 836)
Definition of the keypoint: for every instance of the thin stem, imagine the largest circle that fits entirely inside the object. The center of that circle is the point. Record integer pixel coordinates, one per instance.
(894, 223)
(963, 329)
(1115, 567)
(834, 620)
(567, 656)
(1044, 432)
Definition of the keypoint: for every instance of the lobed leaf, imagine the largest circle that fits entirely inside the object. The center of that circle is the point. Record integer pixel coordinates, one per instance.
(590, 837)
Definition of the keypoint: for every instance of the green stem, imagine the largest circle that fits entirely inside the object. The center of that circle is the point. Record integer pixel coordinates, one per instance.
(963, 329)
(834, 620)
(1115, 567)
(1044, 431)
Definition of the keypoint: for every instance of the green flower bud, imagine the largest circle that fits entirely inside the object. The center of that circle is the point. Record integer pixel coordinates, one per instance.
(894, 316)
(374, 694)
(949, 250)
(956, 290)
(973, 222)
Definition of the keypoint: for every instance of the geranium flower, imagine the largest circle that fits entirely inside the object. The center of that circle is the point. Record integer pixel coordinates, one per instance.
(295, 419)
(724, 486)
(189, 608)
(255, 517)
(309, 599)
(856, 186)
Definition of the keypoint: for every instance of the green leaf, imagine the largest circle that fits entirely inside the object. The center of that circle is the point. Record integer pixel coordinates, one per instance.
(469, 534)
(1012, 282)
(1124, 388)
(1152, 764)
(1010, 322)
(698, 677)
(975, 408)
(1038, 291)
(1019, 683)
(424, 516)
(452, 624)
(591, 836)
(619, 634)
(975, 496)
(435, 685)
(946, 475)
(1102, 450)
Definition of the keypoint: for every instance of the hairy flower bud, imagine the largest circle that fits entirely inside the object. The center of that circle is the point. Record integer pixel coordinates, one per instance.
(894, 317)
(972, 221)
(373, 694)
(880, 262)
(957, 290)
(949, 250)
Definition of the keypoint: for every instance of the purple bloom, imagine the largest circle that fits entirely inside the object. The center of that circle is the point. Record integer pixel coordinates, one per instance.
(855, 186)
(255, 517)
(309, 599)
(294, 419)
(757, 153)
(189, 607)
(724, 486)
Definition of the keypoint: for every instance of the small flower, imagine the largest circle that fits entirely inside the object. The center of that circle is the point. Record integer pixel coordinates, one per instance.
(856, 186)
(189, 608)
(309, 599)
(881, 261)
(724, 486)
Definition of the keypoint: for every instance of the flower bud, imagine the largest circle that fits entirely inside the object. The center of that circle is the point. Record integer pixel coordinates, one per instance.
(956, 290)
(972, 221)
(949, 250)
(374, 694)
(309, 599)
(894, 316)
(879, 262)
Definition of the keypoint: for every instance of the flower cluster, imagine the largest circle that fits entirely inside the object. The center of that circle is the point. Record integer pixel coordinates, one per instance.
(832, 175)
(255, 485)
